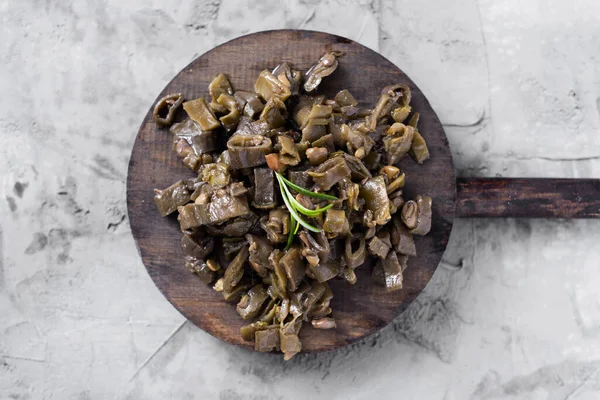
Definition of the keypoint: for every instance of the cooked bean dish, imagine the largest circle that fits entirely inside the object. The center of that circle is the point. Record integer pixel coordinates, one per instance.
(293, 190)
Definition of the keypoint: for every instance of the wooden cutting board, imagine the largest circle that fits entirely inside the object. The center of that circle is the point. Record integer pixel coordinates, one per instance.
(365, 307)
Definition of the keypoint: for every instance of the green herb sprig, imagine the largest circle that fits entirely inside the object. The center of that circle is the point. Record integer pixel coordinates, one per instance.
(295, 208)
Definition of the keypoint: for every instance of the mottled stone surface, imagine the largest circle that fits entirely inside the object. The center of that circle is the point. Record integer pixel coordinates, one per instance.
(512, 313)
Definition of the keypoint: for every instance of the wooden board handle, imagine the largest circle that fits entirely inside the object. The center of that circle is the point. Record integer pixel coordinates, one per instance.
(527, 198)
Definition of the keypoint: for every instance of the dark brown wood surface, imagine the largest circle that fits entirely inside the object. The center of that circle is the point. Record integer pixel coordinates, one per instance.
(528, 198)
(360, 310)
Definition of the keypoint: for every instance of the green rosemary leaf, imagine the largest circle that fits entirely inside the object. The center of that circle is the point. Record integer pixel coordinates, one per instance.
(303, 210)
(306, 192)
(293, 229)
(292, 210)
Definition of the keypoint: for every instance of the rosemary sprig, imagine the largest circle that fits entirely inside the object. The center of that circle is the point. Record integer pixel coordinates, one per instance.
(295, 207)
(292, 209)
(293, 229)
(303, 210)
(306, 192)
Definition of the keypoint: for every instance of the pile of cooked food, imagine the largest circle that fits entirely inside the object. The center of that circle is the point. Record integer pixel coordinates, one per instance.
(293, 190)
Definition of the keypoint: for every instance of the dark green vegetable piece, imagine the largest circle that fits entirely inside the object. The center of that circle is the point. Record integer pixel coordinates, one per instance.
(312, 296)
(230, 120)
(199, 268)
(276, 225)
(414, 120)
(294, 268)
(423, 225)
(315, 247)
(396, 201)
(289, 77)
(326, 65)
(187, 154)
(378, 247)
(268, 86)
(318, 112)
(398, 142)
(337, 246)
(368, 221)
(279, 276)
(356, 140)
(325, 271)
(288, 154)
(381, 110)
(376, 199)
(350, 191)
(325, 142)
(269, 312)
(289, 341)
(197, 244)
(231, 247)
(216, 174)
(334, 127)
(314, 129)
(304, 108)
(220, 85)
(223, 205)
(358, 171)
(322, 307)
(392, 272)
(377, 274)
(302, 147)
(235, 227)
(201, 141)
(247, 151)
(264, 189)
(296, 299)
(235, 270)
(355, 252)
(396, 184)
(336, 222)
(260, 249)
(371, 160)
(200, 112)
(410, 214)
(247, 126)
(418, 149)
(401, 238)
(250, 305)
(169, 199)
(266, 340)
(248, 331)
(330, 172)
(274, 113)
(165, 109)
(345, 98)
(401, 113)
(249, 102)
(234, 295)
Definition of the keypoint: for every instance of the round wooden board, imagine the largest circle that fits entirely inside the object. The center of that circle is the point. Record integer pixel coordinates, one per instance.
(359, 310)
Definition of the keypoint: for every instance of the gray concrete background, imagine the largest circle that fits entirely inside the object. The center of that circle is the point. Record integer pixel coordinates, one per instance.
(512, 313)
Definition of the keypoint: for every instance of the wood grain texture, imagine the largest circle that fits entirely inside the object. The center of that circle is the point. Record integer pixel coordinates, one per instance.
(528, 198)
(360, 310)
